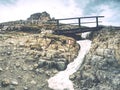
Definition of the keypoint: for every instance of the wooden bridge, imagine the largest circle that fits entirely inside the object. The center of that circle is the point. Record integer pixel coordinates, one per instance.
(80, 28)
(60, 28)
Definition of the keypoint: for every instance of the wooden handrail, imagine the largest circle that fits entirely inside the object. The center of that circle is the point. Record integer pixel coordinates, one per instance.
(77, 18)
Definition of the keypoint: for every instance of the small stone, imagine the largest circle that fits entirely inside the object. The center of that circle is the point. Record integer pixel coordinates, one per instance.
(33, 76)
(48, 73)
(8, 53)
(41, 63)
(21, 44)
(11, 71)
(39, 71)
(30, 68)
(5, 82)
(11, 42)
(12, 87)
(19, 77)
(7, 68)
(33, 82)
(24, 68)
(35, 65)
(43, 85)
(55, 71)
(72, 77)
(17, 64)
(1, 69)
(61, 66)
(25, 88)
(14, 82)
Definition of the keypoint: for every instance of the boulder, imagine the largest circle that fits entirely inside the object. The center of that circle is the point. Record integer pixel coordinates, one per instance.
(5, 82)
(42, 17)
(61, 65)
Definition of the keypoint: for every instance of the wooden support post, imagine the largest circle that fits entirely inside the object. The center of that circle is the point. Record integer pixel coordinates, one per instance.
(79, 20)
(96, 21)
(57, 24)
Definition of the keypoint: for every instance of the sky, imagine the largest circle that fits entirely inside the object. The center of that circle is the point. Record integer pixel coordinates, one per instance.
(11, 10)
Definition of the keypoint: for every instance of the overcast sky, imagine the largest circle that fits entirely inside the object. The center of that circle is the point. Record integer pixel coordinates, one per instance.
(11, 10)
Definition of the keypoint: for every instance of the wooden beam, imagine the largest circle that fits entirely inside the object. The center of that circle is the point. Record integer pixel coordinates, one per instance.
(78, 18)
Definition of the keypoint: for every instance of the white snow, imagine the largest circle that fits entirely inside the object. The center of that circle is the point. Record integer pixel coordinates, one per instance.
(61, 80)
(85, 35)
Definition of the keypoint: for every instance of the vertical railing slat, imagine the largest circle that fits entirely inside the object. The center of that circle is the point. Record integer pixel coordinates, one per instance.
(79, 21)
(58, 24)
(97, 22)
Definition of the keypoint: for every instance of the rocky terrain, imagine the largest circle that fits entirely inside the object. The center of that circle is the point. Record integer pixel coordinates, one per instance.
(28, 60)
(101, 67)
(30, 54)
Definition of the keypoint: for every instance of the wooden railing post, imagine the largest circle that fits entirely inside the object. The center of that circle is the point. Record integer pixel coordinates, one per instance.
(57, 24)
(79, 21)
(97, 22)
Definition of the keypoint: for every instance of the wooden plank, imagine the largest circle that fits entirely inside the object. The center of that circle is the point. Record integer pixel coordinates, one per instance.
(78, 23)
(79, 17)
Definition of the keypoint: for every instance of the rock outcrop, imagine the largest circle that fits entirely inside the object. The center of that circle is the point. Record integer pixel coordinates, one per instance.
(40, 17)
(52, 48)
(36, 20)
(27, 60)
(101, 67)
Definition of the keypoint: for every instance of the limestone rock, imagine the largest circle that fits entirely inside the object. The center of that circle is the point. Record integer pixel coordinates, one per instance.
(12, 87)
(42, 17)
(26, 88)
(101, 67)
(72, 77)
(5, 82)
(1, 69)
(33, 82)
(61, 65)
(14, 82)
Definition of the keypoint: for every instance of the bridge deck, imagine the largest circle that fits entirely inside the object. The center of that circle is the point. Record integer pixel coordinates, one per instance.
(77, 30)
